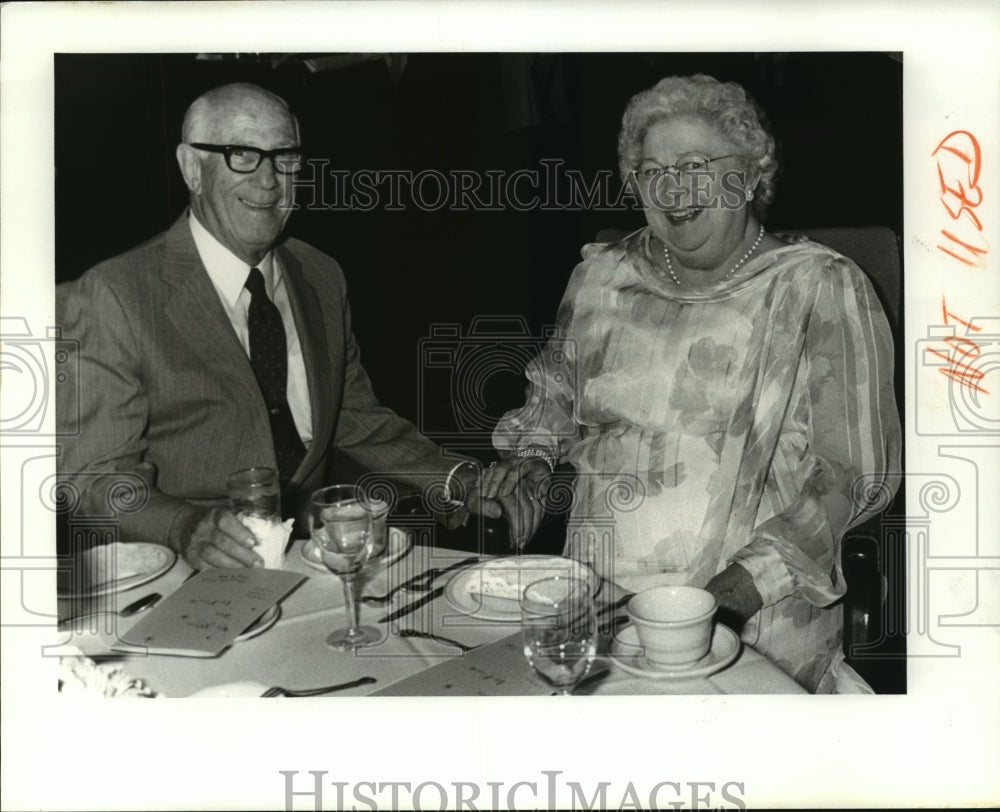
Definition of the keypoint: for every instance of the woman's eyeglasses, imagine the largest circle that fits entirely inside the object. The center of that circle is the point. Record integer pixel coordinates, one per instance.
(651, 170)
(286, 161)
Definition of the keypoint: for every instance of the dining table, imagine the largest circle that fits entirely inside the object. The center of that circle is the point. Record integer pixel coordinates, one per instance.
(291, 652)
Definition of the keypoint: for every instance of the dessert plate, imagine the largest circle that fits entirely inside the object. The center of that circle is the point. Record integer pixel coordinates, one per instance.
(113, 568)
(468, 591)
(627, 654)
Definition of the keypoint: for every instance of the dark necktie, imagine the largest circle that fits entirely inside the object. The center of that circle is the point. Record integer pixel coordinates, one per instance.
(269, 359)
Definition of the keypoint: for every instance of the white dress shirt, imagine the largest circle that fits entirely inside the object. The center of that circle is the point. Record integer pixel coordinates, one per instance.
(228, 274)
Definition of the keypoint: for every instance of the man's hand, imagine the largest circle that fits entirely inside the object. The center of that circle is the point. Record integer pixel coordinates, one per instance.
(466, 489)
(216, 538)
(518, 484)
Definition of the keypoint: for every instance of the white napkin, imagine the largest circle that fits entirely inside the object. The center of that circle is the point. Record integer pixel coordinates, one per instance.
(272, 539)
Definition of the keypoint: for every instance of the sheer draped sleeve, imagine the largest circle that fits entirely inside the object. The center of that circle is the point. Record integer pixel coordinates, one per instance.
(838, 453)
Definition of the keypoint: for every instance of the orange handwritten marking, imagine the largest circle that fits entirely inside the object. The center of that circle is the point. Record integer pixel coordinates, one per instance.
(958, 165)
(963, 373)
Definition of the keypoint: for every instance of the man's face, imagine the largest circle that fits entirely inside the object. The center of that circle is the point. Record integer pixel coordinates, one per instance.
(245, 212)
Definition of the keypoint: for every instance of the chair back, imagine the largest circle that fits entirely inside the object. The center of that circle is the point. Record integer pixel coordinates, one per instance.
(875, 249)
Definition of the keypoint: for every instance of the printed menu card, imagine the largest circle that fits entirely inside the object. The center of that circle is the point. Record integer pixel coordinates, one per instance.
(209, 611)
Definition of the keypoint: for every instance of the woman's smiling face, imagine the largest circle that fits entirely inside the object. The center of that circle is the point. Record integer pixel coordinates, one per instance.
(700, 215)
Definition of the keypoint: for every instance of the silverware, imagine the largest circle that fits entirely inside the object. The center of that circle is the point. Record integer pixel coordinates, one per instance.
(425, 580)
(412, 607)
(277, 690)
(440, 638)
(418, 583)
(133, 608)
(378, 600)
(589, 681)
(618, 604)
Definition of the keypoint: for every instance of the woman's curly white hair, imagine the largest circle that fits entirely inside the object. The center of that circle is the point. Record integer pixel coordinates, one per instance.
(725, 105)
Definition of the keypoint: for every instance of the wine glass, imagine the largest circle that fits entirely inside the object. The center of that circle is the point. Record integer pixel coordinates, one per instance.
(559, 630)
(348, 530)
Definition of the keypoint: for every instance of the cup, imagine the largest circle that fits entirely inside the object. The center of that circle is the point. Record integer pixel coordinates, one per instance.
(674, 624)
(255, 492)
(559, 630)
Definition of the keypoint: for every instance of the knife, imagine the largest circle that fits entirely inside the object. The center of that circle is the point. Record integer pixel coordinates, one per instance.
(618, 604)
(412, 607)
(415, 584)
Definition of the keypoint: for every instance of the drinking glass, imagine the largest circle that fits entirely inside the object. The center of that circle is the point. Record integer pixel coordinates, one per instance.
(559, 630)
(348, 530)
(255, 492)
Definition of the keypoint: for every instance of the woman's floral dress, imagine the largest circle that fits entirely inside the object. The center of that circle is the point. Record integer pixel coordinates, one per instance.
(749, 422)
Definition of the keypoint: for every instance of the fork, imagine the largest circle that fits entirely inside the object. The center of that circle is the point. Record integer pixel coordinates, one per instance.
(418, 583)
(277, 690)
(430, 636)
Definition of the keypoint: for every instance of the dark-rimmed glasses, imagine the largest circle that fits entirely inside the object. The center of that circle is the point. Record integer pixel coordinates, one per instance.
(651, 170)
(286, 160)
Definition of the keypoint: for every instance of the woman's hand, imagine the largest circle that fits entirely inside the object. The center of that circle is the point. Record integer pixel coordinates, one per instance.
(518, 484)
(737, 595)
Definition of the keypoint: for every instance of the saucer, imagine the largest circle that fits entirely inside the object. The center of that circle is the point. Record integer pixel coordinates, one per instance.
(397, 545)
(627, 654)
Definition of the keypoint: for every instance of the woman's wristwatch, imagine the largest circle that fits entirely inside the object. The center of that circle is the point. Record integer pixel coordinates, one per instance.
(542, 454)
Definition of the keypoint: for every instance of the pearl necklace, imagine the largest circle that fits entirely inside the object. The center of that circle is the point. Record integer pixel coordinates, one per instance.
(734, 269)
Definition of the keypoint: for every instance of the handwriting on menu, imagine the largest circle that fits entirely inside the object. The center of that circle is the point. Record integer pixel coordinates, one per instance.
(958, 164)
(209, 611)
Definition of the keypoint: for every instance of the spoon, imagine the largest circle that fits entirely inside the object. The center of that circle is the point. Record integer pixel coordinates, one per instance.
(133, 608)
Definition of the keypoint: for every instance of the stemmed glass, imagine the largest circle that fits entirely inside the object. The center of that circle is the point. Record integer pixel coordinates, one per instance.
(348, 530)
(559, 630)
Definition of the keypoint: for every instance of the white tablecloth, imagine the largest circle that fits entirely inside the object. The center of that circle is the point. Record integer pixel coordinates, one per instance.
(293, 653)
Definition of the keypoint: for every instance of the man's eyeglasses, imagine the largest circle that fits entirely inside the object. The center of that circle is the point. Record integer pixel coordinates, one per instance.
(286, 161)
(649, 171)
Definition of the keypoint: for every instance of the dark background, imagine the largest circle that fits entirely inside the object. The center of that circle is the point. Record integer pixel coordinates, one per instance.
(837, 118)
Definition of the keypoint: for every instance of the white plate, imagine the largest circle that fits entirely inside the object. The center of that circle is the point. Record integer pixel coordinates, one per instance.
(627, 653)
(396, 546)
(533, 567)
(140, 562)
(261, 624)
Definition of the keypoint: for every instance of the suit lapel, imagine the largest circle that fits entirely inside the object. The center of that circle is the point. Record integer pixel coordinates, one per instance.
(310, 324)
(195, 310)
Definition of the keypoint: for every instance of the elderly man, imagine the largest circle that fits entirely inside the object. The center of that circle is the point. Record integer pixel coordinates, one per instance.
(214, 347)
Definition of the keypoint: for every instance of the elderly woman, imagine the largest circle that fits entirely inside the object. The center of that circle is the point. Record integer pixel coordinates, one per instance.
(720, 392)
